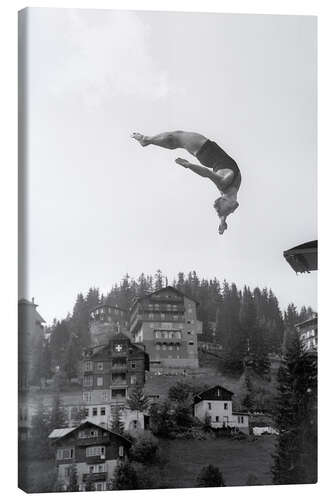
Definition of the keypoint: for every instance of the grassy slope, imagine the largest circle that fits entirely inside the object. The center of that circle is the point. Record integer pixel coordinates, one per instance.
(236, 459)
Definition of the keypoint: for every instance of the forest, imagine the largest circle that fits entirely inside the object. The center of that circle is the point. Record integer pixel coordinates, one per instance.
(249, 324)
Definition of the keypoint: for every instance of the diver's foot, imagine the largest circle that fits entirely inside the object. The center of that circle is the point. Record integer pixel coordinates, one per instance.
(142, 139)
(182, 162)
(223, 227)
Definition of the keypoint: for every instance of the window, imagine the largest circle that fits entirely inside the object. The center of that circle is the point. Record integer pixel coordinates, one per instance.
(94, 412)
(164, 347)
(162, 316)
(82, 435)
(133, 379)
(133, 365)
(225, 406)
(93, 451)
(88, 380)
(121, 451)
(191, 343)
(88, 366)
(99, 381)
(103, 410)
(87, 396)
(65, 453)
(209, 406)
(100, 366)
(105, 395)
(93, 433)
(86, 412)
(151, 315)
(217, 418)
(175, 317)
(189, 333)
(158, 347)
(170, 347)
(178, 347)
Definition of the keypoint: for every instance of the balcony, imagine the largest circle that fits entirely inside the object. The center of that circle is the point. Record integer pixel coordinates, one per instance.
(118, 382)
(119, 367)
(94, 476)
(90, 441)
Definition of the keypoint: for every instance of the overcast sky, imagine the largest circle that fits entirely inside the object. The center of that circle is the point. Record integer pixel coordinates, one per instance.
(100, 206)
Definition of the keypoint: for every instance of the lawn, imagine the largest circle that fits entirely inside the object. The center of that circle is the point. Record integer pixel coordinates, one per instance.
(184, 459)
(236, 459)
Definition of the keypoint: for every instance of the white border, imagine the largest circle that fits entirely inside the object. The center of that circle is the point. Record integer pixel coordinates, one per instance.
(8, 200)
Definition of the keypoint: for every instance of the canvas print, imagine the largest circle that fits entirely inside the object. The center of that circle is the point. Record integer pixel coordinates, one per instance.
(167, 309)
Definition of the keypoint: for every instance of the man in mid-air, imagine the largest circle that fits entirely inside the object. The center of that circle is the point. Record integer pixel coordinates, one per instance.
(225, 172)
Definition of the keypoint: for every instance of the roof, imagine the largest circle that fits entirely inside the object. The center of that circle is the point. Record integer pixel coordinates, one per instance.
(108, 305)
(313, 319)
(201, 395)
(60, 433)
(303, 258)
(179, 292)
(240, 413)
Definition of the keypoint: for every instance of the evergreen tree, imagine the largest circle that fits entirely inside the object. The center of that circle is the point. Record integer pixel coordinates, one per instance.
(296, 416)
(58, 418)
(73, 480)
(248, 401)
(210, 476)
(40, 430)
(125, 477)
(138, 401)
(117, 424)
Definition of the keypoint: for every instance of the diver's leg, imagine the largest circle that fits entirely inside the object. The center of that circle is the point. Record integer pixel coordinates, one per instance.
(190, 141)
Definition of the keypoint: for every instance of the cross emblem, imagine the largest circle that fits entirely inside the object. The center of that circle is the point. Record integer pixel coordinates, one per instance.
(118, 348)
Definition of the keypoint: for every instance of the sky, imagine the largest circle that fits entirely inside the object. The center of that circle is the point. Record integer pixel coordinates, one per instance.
(100, 206)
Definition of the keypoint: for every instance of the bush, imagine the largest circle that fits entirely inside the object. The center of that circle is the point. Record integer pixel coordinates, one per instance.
(145, 449)
(148, 478)
(125, 477)
(210, 476)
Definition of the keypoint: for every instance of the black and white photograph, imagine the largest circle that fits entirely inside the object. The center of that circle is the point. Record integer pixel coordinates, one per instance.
(167, 305)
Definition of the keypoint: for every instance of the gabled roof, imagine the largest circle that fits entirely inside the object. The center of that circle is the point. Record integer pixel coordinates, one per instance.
(58, 434)
(303, 258)
(202, 395)
(169, 287)
(108, 305)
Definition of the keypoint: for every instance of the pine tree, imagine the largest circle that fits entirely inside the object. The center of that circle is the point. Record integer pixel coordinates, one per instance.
(73, 480)
(58, 418)
(117, 424)
(138, 401)
(295, 416)
(248, 401)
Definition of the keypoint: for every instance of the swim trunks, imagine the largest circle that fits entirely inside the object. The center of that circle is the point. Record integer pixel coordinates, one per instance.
(212, 156)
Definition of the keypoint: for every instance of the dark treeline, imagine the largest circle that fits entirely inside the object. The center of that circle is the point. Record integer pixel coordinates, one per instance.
(248, 323)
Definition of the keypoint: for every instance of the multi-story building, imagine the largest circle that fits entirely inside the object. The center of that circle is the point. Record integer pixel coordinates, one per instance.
(30, 336)
(110, 373)
(93, 452)
(105, 321)
(215, 405)
(166, 323)
(308, 333)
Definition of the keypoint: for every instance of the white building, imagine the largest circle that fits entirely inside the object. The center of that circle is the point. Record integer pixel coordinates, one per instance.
(215, 404)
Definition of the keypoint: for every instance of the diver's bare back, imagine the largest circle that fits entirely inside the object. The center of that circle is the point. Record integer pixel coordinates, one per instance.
(225, 172)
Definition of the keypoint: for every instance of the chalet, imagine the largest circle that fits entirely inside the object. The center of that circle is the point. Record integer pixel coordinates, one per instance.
(92, 451)
(165, 322)
(308, 333)
(216, 405)
(110, 373)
